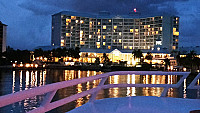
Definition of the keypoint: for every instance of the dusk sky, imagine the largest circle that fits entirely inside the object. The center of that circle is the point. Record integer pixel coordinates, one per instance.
(29, 21)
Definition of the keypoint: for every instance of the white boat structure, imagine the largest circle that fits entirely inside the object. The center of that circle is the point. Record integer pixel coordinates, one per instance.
(135, 104)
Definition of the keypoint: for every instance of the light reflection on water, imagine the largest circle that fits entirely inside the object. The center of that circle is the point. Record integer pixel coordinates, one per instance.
(14, 81)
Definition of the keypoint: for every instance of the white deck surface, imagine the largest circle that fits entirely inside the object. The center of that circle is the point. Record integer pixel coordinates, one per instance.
(140, 104)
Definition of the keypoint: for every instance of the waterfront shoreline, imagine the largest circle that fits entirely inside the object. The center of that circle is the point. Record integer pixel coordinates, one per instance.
(84, 68)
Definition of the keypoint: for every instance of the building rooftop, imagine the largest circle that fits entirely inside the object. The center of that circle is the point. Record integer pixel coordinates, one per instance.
(106, 14)
(3, 24)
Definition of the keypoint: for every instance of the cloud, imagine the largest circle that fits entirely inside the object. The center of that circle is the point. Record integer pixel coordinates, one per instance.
(114, 6)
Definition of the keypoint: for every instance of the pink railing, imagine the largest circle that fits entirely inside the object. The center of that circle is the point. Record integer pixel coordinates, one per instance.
(51, 89)
(194, 82)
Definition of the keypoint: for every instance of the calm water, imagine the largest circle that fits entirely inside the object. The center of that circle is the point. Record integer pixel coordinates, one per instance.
(13, 81)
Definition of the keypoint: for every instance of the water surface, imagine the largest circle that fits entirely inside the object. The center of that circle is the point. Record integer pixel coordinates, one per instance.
(18, 80)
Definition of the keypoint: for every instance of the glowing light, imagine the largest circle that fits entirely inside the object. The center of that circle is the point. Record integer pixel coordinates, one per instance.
(81, 21)
(27, 65)
(135, 10)
(14, 65)
(21, 65)
(104, 27)
(36, 65)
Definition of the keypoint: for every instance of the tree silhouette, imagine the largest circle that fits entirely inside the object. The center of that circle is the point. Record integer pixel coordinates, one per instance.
(149, 56)
(137, 54)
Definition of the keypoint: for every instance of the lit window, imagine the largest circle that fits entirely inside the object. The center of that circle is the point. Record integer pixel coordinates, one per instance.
(73, 17)
(90, 36)
(68, 20)
(104, 27)
(81, 33)
(152, 29)
(115, 27)
(104, 37)
(109, 47)
(176, 33)
(62, 42)
(81, 21)
(148, 25)
(174, 29)
(90, 24)
(176, 40)
(161, 17)
(98, 46)
(131, 30)
(149, 29)
(71, 27)
(136, 30)
(120, 40)
(109, 20)
(99, 36)
(156, 32)
(99, 23)
(76, 21)
(82, 42)
(98, 43)
(67, 24)
(130, 47)
(125, 47)
(176, 18)
(160, 28)
(99, 30)
(120, 33)
(113, 30)
(68, 34)
(173, 47)
(104, 43)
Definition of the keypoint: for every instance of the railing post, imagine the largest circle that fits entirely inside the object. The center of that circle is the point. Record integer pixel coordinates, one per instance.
(164, 93)
(47, 99)
(93, 96)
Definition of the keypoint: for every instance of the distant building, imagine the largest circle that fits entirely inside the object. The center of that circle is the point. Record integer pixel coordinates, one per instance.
(106, 31)
(3, 30)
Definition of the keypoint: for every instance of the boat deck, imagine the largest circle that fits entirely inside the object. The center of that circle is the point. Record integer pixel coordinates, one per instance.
(140, 104)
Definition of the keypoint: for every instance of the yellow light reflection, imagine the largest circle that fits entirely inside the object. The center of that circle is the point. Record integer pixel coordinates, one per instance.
(27, 80)
(20, 73)
(13, 85)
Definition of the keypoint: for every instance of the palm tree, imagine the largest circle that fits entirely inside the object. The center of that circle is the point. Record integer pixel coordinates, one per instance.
(137, 54)
(149, 56)
(105, 59)
(191, 59)
(167, 63)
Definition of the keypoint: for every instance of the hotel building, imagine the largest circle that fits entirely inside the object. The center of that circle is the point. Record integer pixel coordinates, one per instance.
(106, 31)
(3, 29)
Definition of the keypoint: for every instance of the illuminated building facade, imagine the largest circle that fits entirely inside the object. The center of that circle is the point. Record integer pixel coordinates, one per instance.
(89, 56)
(105, 31)
(3, 30)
